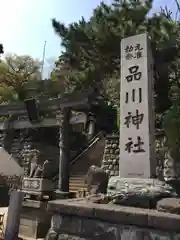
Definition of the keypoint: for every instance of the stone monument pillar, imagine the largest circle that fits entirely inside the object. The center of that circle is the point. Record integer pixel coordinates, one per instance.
(137, 131)
(64, 150)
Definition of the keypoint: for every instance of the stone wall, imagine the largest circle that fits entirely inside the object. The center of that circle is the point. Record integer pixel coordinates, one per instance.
(20, 143)
(14, 141)
(110, 161)
(82, 220)
(16, 146)
(2, 138)
(4, 197)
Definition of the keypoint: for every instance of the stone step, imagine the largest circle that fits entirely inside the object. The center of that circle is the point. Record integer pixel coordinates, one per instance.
(76, 183)
(77, 179)
(77, 189)
(80, 185)
(74, 177)
(78, 174)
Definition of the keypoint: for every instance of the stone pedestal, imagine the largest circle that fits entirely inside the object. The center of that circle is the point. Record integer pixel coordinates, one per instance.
(137, 192)
(35, 221)
(38, 187)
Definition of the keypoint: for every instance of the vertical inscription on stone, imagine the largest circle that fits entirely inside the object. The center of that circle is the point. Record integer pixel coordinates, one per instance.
(137, 152)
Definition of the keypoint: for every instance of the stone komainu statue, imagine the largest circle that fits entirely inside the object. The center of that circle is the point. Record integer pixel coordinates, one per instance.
(34, 157)
(96, 180)
(38, 170)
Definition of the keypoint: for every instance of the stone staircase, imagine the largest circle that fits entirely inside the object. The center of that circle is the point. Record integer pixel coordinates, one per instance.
(77, 183)
(92, 155)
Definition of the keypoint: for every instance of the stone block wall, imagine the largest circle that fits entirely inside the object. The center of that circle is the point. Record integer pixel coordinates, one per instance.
(14, 142)
(82, 220)
(20, 143)
(110, 161)
(4, 196)
(2, 137)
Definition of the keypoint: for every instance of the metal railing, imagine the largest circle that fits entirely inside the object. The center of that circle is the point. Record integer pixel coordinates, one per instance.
(91, 143)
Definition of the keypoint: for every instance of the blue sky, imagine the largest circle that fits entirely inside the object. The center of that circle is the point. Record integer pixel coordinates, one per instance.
(26, 24)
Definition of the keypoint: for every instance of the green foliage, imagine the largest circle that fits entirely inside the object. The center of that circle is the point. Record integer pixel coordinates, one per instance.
(43, 89)
(106, 116)
(91, 55)
(7, 94)
(172, 126)
(15, 73)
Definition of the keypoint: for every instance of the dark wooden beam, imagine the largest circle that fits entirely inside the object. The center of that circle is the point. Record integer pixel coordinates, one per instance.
(80, 100)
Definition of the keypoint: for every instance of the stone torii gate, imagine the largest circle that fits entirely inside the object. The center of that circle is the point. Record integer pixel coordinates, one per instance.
(33, 114)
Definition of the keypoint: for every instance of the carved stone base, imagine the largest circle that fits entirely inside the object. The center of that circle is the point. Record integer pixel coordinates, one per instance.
(38, 187)
(35, 221)
(37, 184)
(136, 192)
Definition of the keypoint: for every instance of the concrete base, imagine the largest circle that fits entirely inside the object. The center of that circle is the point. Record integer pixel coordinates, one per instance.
(35, 221)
